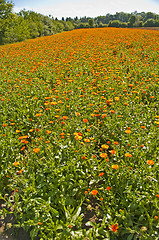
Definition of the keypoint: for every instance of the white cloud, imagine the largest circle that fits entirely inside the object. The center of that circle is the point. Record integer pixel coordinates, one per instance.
(93, 8)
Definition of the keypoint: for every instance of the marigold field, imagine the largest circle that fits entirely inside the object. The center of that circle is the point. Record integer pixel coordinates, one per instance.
(79, 134)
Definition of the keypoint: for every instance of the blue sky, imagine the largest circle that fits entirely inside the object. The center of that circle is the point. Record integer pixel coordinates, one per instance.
(89, 8)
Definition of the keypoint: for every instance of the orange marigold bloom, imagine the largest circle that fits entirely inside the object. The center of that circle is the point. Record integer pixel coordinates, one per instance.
(103, 155)
(78, 137)
(17, 131)
(16, 163)
(85, 120)
(94, 192)
(64, 117)
(108, 188)
(157, 195)
(116, 143)
(22, 148)
(150, 162)
(86, 140)
(112, 152)
(112, 111)
(31, 130)
(128, 131)
(143, 127)
(36, 150)
(101, 174)
(23, 137)
(48, 132)
(128, 155)
(105, 146)
(114, 227)
(115, 166)
(53, 103)
(156, 217)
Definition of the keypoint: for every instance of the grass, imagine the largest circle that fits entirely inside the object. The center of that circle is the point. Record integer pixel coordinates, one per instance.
(79, 134)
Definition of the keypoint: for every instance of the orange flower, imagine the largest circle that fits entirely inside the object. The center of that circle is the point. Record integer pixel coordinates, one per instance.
(78, 137)
(108, 188)
(23, 137)
(150, 162)
(101, 174)
(116, 143)
(94, 192)
(156, 217)
(114, 227)
(17, 131)
(36, 150)
(105, 146)
(112, 111)
(157, 195)
(48, 132)
(16, 163)
(128, 155)
(64, 117)
(31, 130)
(20, 171)
(128, 131)
(86, 140)
(22, 148)
(53, 103)
(103, 155)
(115, 166)
(112, 152)
(143, 127)
(85, 120)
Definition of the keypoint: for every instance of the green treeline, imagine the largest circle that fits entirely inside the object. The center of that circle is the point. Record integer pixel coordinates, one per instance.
(16, 27)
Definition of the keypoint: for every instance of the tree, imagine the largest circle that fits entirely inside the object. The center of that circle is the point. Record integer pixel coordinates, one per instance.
(91, 22)
(115, 23)
(6, 8)
(132, 20)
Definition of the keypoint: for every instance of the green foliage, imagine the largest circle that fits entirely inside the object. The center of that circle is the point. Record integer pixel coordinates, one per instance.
(151, 23)
(91, 22)
(132, 20)
(114, 23)
(5, 9)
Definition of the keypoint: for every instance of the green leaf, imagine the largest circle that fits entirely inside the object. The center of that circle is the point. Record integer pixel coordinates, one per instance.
(75, 216)
(131, 236)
